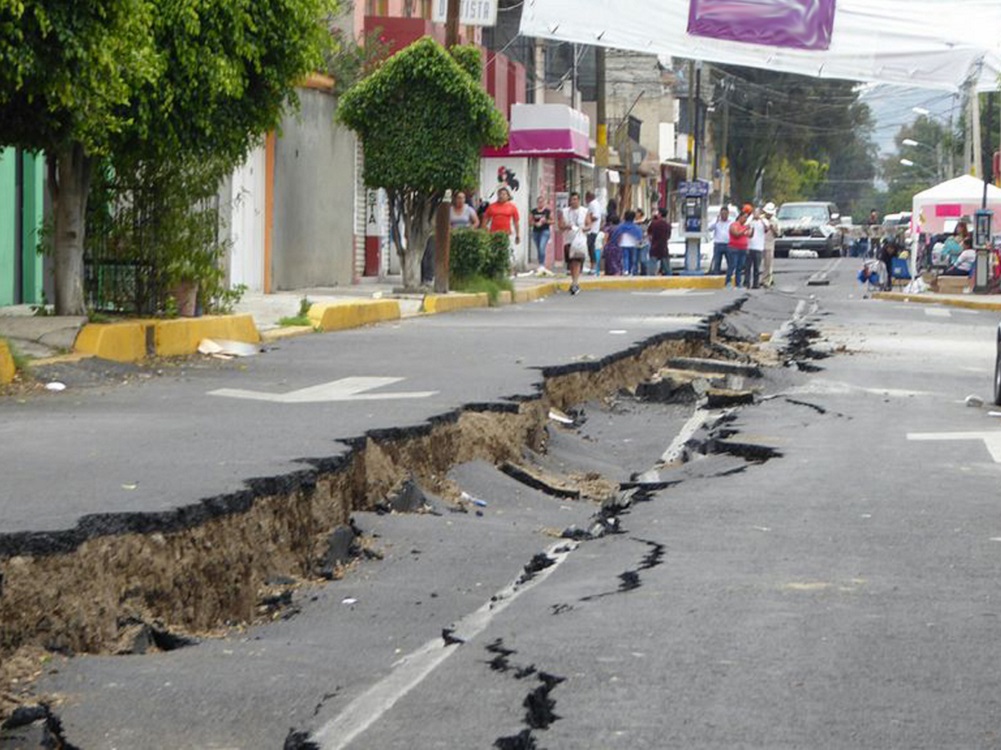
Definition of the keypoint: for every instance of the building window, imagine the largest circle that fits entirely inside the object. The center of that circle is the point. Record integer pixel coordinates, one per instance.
(376, 7)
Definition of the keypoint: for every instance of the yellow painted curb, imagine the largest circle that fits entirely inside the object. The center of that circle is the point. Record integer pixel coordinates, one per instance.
(647, 282)
(926, 299)
(338, 316)
(7, 368)
(174, 338)
(286, 332)
(441, 303)
(505, 297)
(119, 342)
(536, 292)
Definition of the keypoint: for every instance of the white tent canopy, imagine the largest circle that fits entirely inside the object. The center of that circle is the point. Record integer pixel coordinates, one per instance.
(951, 200)
(937, 44)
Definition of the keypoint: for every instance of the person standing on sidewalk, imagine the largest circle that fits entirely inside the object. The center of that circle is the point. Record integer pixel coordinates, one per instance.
(659, 232)
(721, 241)
(771, 232)
(628, 235)
(736, 254)
(575, 222)
(502, 216)
(755, 251)
(597, 221)
(542, 221)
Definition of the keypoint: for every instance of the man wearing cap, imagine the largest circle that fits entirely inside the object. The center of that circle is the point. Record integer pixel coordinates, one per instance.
(740, 237)
(771, 232)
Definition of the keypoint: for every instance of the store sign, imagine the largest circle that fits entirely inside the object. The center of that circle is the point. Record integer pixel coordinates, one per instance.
(471, 12)
(803, 24)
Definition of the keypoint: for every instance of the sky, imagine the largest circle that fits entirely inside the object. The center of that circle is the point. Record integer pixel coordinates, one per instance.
(893, 106)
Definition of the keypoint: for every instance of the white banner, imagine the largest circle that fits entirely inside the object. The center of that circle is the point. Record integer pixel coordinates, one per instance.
(471, 12)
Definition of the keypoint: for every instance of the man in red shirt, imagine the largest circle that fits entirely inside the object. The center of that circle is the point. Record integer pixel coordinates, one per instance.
(502, 216)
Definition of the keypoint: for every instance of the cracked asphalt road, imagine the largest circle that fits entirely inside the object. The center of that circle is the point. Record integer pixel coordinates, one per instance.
(844, 594)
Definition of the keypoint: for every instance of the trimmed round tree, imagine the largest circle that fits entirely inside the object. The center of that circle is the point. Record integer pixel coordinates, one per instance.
(423, 118)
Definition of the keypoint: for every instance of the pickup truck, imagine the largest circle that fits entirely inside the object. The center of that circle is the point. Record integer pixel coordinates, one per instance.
(808, 226)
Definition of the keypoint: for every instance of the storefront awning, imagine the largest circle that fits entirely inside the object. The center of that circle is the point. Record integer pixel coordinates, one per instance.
(553, 131)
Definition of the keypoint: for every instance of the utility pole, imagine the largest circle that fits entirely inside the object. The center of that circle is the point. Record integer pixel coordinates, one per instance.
(601, 130)
(691, 119)
(442, 220)
(976, 157)
(724, 162)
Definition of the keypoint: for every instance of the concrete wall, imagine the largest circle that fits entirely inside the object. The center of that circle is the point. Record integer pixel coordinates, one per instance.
(314, 203)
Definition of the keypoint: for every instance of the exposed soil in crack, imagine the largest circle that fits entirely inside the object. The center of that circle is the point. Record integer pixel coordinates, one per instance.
(132, 582)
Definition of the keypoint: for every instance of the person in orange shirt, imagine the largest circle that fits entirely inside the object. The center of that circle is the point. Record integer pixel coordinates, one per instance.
(502, 216)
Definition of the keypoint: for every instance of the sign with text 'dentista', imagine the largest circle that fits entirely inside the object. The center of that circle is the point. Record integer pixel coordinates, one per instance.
(471, 12)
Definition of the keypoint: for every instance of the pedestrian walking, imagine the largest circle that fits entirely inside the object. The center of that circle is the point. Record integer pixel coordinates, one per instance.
(542, 221)
(460, 216)
(659, 233)
(611, 250)
(721, 241)
(597, 221)
(871, 227)
(755, 250)
(575, 223)
(771, 232)
(502, 216)
(736, 254)
(628, 235)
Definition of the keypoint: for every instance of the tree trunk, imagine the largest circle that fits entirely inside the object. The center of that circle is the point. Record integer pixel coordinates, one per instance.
(69, 183)
(418, 231)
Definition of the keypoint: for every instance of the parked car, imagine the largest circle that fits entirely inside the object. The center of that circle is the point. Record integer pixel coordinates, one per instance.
(809, 225)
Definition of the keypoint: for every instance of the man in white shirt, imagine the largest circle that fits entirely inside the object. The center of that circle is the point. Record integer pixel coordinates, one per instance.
(721, 240)
(755, 250)
(596, 214)
(771, 232)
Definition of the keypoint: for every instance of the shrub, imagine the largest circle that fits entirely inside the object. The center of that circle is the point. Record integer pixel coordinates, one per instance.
(466, 254)
(477, 252)
(497, 262)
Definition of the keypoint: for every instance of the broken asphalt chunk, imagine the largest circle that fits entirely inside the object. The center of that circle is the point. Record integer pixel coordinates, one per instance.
(747, 369)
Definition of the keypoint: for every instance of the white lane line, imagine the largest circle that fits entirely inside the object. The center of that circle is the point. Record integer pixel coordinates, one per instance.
(411, 670)
(991, 439)
(677, 446)
(935, 312)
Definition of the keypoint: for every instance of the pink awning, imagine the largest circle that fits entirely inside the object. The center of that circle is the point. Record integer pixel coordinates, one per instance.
(553, 131)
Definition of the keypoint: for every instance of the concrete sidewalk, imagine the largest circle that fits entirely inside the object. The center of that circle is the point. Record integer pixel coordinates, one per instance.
(968, 301)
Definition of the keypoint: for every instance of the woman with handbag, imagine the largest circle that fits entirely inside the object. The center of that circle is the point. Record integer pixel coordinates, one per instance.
(574, 222)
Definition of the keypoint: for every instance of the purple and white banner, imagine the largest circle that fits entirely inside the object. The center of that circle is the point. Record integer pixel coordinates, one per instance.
(799, 24)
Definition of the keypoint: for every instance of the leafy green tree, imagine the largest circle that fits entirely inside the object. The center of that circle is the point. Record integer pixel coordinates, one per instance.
(423, 118)
(928, 162)
(779, 121)
(138, 79)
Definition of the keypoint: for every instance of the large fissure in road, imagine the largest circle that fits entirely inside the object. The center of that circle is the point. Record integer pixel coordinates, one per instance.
(130, 583)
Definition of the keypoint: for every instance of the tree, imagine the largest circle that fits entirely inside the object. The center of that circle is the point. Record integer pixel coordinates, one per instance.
(423, 118)
(138, 79)
(780, 121)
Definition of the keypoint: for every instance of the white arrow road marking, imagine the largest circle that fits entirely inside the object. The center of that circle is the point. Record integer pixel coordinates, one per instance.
(991, 439)
(345, 389)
